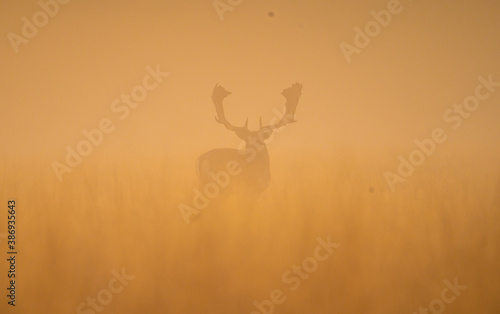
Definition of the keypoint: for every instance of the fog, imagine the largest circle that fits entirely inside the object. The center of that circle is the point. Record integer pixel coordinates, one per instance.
(394, 154)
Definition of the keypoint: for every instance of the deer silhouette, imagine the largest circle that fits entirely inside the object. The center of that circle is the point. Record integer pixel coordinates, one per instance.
(252, 162)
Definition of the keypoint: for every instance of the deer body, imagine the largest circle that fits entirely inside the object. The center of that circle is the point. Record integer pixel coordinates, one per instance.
(255, 172)
(253, 161)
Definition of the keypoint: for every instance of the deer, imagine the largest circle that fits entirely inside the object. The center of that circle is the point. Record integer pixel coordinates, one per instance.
(251, 167)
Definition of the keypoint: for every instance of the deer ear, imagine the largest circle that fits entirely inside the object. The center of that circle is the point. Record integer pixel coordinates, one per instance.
(265, 133)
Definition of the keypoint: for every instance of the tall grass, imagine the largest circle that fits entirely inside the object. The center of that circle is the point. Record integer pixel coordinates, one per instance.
(396, 248)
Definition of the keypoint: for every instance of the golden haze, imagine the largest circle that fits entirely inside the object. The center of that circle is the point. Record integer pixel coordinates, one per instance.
(119, 207)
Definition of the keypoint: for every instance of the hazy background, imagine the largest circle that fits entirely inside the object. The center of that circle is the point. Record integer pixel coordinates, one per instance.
(119, 207)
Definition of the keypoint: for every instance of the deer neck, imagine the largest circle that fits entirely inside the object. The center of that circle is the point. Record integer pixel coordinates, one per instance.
(262, 154)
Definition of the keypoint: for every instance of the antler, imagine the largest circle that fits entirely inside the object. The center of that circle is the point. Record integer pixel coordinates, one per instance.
(218, 96)
(292, 95)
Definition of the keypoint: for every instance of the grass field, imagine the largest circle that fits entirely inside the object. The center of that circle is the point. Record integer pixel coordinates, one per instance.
(396, 249)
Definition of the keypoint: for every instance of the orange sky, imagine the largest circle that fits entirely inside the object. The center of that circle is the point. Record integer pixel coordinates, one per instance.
(394, 91)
